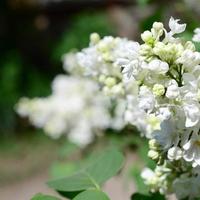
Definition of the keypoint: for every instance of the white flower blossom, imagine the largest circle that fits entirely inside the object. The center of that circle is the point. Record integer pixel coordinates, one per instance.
(174, 153)
(192, 149)
(154, 86)
(73, 106)
(172, 90)
(158, 66)
(192, 113)
(146, 99)
(175, 27)
(196, 37)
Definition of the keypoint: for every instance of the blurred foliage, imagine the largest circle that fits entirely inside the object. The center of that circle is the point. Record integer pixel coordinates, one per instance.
(16, 81)
(91, 176)
(21, 76)
(81, 26)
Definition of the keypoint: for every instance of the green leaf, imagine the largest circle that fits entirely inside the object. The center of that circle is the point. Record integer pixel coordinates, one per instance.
(76, 182)
(106, 166)
(153, 196)
(44, 197)
(92, 195)
(61, 169)
(139, 182)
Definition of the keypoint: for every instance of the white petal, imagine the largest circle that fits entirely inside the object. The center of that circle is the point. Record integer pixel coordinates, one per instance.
(175, 26)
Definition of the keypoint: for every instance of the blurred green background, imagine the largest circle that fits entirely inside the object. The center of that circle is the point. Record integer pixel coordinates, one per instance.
(34, 34)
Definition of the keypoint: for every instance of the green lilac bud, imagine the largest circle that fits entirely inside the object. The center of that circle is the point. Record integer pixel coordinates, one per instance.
(154, 155)
(94, 38)
(145, 49)
(153, 144)
(158, 90)
(158, 26)
(189, 45)
(102, 47)
(107, 56)
(102, 78)
(118, 89)
(147, 37)
(110, 82)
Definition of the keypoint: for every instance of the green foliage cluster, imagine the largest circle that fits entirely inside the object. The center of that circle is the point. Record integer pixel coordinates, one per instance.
(86, 183)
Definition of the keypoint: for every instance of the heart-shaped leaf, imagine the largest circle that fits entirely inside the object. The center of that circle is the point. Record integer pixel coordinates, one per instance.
(106, 166)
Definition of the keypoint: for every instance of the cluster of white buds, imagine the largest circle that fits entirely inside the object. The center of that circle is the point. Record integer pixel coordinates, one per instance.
(159, 80)
(75, 109)
(156, 87)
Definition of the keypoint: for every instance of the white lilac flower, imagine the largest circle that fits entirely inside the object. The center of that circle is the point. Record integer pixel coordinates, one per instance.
(158, 66)
(118, 120)
(192, 149)
(134, 115)
(146, 99)
(149, 176)
(190, 89)
(192, 113)
(81, 134)
(126, 49)
(155, 86)
(167, 135)
(70, 64)
(156, 180)
(164, 113)
(175, 27)
(189, 59)
(174, 153)
(196, 37)
(172, 90)
(131, 69)
(74, 105)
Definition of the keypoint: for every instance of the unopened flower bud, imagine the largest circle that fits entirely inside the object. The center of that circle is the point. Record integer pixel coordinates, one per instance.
(102, 47)
(154, 155)
(153, 144)
(94, 38)
(158, 25)
(110, 82)
(102, 78)
(189, 45)
(174, 153)
(145, 49)
(106, 90)
(172, 90)
(118, 89)
(158, 90)
(107, 56)
(147, 37)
